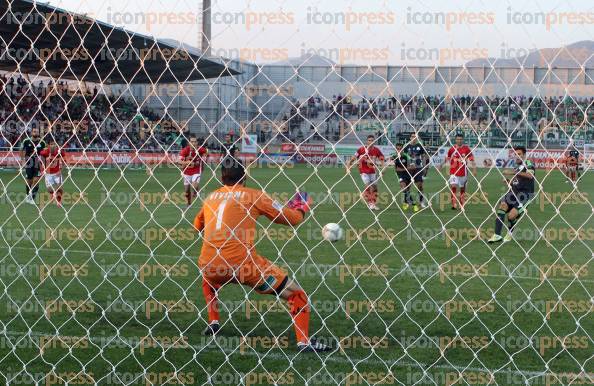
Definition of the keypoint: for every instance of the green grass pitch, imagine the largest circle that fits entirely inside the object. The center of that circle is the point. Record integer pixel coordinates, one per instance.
(411, 298)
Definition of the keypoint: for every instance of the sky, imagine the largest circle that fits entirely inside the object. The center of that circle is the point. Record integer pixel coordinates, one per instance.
(364, 32)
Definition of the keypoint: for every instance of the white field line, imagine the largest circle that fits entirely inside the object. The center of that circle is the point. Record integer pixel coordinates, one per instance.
(318, 266)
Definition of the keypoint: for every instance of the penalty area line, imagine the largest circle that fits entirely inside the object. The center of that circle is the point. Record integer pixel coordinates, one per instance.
(394, 271)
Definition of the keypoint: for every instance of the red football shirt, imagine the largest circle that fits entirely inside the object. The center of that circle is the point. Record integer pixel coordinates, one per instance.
(197, 157)
(366, 156)
(53, 160)
(571, 159)
(459, 156)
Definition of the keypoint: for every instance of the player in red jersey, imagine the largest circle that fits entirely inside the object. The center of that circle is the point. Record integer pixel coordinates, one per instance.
(369, 157)
(53, 157)
(192, 159)
(459, 156)
(572, 160)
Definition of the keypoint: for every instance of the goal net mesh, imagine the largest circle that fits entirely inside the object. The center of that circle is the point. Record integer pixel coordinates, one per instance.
(105, 289)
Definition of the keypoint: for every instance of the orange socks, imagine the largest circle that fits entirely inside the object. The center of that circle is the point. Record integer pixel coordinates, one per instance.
(298, 304)
(299, 308)
(212, 303)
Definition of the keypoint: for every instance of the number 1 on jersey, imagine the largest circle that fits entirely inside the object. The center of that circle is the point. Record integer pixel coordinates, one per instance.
(220, 211)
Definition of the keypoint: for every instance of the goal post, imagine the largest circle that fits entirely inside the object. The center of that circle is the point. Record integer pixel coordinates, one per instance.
(588, 160)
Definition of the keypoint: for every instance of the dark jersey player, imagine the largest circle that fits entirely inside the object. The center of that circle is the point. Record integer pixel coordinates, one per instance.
(228, 147)
(420, 165)
(30, 149)
(403, 166)
(521, 191)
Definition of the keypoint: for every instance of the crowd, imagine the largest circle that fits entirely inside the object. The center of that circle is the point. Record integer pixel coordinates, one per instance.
(512, 109)
(95, 120)
(501, 114)
(80, 118)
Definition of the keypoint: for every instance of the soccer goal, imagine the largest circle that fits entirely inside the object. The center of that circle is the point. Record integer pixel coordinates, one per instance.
(173, 215)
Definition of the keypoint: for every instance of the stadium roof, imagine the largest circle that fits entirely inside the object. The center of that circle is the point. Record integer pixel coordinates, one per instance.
(48, 41)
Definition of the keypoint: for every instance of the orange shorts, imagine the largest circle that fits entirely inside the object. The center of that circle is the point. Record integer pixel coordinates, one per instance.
(254, 271)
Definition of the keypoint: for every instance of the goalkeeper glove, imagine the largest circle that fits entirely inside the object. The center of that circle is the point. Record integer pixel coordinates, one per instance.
(301, 201)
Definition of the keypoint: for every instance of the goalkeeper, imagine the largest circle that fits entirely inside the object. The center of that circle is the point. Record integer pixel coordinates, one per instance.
(227, 221)
(518, 196)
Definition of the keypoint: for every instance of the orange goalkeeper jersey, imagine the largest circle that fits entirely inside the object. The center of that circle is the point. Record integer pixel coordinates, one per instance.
(228, 219)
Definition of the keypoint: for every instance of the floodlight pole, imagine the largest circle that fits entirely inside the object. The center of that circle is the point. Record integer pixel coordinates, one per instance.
(206, 27)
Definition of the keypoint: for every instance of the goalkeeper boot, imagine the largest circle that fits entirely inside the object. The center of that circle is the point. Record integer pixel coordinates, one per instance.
(212, 329)
(415, 208)
(508, 237)
(405, 206)
(495, 239)
(313, 346)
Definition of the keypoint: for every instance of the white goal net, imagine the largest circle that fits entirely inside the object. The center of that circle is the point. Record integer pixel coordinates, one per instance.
(410, 215)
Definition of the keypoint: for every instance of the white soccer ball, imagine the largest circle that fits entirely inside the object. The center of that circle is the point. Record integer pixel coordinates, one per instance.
(332, 232)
